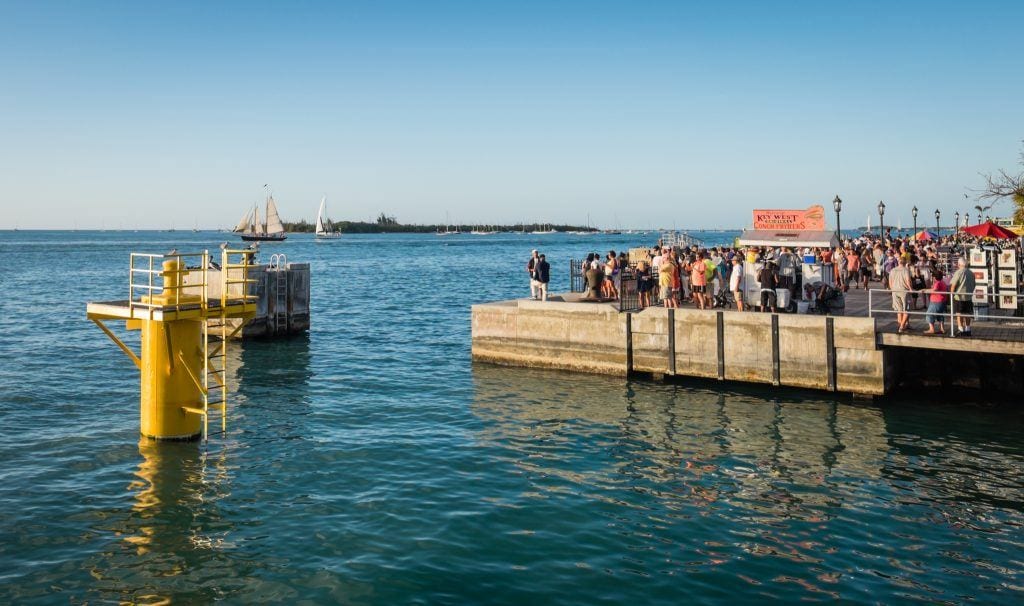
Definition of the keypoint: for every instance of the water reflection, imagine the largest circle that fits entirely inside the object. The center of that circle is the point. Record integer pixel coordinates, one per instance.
(786, 497)
(271, 380)
(695, 445)
(174, 533)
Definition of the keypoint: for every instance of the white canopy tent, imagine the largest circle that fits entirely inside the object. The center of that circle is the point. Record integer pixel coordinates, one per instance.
(771, 237)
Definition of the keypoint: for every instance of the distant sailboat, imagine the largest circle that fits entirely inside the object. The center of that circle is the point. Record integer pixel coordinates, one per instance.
(251, 228)
(448, 231)
(322, 231)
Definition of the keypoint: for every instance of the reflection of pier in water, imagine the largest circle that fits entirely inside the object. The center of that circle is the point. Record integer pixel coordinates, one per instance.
(707, 448)
(176, 543)
(174, 534)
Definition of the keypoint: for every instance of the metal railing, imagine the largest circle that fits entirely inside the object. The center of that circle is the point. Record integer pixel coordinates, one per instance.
(675, 239)
(577, 281)
(638, 291)
(143, 268)
(1011, 317)
(235, 266)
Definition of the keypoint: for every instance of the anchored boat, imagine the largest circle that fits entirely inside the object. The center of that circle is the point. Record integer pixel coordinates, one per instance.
(251, 228)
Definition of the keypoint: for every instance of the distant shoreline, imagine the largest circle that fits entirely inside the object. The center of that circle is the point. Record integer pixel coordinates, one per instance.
(361, 227)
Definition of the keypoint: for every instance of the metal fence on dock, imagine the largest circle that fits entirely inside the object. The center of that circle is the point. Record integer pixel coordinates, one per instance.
(577, 281)
(997, 315)
(629, 286)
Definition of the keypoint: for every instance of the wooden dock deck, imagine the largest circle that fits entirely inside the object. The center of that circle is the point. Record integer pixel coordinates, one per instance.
(1003, 336)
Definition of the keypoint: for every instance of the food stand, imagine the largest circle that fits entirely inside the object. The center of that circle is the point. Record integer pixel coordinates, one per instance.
(794, 239)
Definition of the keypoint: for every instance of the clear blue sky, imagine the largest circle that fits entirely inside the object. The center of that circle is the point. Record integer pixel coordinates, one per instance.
(130, 115)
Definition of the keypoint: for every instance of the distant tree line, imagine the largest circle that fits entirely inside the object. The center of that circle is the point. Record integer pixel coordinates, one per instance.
(389, 224)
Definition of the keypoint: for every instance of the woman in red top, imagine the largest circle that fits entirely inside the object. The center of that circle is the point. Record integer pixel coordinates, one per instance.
(937, 305)
(852, 268)
(699, 281)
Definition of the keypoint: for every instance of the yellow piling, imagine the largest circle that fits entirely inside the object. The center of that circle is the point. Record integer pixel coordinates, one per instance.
(176, 372)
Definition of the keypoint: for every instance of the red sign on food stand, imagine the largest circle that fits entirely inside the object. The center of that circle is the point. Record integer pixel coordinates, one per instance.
(812, 219)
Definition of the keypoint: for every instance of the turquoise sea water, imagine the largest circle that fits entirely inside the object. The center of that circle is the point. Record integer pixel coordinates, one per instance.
(372, 463)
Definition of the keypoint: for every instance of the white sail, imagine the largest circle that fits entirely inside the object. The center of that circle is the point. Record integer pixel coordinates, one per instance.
(256, 222)
(869, 223)
(245, 222)
(320, 228)
(273, 219)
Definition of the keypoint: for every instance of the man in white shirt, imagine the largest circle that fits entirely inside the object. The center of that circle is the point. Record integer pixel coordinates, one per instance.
(736, 281)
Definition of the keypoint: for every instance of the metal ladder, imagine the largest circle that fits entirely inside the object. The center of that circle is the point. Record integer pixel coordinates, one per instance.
(214, 384)
(279, 265)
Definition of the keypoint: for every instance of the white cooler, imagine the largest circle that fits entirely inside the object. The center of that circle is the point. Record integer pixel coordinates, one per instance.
(782, 296)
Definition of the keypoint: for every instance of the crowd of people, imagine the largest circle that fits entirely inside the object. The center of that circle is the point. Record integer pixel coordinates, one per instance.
(921, 275)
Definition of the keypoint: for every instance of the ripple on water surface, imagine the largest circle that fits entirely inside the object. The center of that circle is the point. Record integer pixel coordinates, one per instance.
(371, 463)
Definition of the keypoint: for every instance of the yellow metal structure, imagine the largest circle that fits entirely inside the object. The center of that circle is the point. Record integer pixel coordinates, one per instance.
(183, 372)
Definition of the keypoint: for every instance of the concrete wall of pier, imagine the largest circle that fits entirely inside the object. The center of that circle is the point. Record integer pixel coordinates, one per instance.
(834, 354)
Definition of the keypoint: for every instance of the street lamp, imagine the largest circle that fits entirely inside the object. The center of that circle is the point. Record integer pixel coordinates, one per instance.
(837, 204)
(979, 217)
(913, 212)
(881, 219)
(937, 215)
(956, 222)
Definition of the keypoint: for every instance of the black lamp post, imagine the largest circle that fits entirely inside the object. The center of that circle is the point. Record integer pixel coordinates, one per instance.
(979, 217)
(881, 219)
(937, 215)
(837, 204)
(913, 212)
(956, 224)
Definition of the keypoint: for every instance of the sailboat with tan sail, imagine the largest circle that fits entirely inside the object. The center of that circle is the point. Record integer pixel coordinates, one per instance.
(252, 228)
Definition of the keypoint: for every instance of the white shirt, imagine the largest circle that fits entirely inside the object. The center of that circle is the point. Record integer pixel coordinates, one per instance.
(736, 277)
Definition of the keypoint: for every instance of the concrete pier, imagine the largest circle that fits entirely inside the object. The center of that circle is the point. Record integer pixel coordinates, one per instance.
(282, 299)
(816, 352)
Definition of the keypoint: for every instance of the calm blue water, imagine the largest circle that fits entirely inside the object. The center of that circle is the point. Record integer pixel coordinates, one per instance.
(372, 463)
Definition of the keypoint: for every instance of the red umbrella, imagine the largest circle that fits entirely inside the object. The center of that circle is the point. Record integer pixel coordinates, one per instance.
(924, 234)
(990, 230)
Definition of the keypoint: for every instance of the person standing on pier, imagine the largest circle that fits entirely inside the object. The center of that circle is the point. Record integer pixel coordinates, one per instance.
(937, 305)
(788, 262)
(867, 264)
(668, 278)
(542, 272)
(852, 270)
(698, 280)
(900, 285)
(768, 277)
(736, 281)
(961, 285)
(531, 271)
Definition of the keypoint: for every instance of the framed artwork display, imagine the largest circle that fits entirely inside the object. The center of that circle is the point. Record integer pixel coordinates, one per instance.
(1007, 301)
(1008, 279)
(980, 275)
(980, 295)
(976, 258)
(1007, 259)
